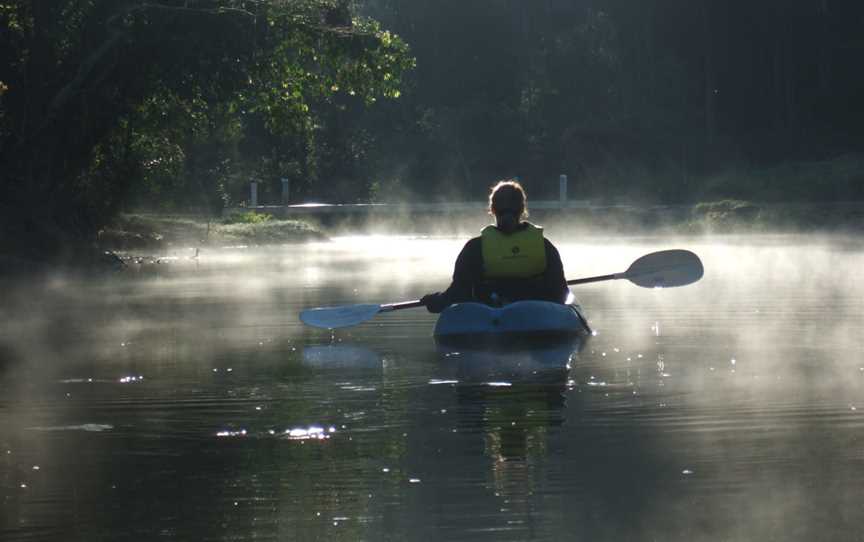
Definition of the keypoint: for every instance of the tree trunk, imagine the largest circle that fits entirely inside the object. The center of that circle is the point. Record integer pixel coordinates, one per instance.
(650, 50)
(710, 77)
(36, 98)
(789, 91)
(824, 49)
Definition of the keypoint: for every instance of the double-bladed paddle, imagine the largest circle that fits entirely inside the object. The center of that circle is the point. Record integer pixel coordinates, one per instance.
(664, 269)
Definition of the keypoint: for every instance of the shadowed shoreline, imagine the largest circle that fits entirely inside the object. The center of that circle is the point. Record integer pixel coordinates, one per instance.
(151, 236)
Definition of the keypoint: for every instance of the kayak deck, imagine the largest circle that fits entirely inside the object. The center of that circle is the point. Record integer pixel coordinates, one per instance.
(520, 321)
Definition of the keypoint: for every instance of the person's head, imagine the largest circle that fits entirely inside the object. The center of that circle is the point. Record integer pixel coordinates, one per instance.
(507, 204)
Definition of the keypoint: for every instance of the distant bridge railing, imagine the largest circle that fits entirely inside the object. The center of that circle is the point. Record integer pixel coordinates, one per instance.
(286, 210)
(307, 209)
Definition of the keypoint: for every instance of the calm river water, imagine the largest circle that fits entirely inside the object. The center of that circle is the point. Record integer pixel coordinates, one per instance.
(187, 402)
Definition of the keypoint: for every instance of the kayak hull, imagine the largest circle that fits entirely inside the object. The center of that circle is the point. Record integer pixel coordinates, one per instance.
(525, 340)
(522, 321)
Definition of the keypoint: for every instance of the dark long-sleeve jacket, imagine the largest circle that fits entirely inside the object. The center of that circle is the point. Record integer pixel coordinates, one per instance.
(469, 283)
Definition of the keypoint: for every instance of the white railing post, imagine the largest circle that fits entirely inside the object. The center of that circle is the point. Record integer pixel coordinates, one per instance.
(562, 190)
(286, 190)
(253, 194)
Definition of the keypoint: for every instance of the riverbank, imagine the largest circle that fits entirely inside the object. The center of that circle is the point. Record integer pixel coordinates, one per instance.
(721, 217)
(151, 237)
(726, 216)
(154, 233)
(145, 238)
(147, 233)
(737, 216)
(142, 238)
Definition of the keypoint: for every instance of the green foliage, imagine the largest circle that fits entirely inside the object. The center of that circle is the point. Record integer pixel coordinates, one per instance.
(268, 232)
(150, 232)
(104, 104)
(309, 65)
(272, 127)
(249, 217)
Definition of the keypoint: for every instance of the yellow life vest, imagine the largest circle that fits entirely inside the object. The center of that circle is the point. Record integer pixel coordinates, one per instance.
(521, 254)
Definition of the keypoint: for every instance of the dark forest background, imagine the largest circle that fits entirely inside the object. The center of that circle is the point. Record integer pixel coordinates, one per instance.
(636, 100)
(123, 105)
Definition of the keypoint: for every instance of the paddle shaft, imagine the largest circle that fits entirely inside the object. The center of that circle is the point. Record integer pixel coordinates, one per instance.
(402, 305)
(587, 280)
(417, 303)
(600, 278)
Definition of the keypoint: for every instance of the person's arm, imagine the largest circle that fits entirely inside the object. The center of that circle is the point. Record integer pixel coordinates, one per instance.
(468, 266)
(554, 283)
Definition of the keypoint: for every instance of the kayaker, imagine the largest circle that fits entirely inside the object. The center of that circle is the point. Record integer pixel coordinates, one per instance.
(509, 261)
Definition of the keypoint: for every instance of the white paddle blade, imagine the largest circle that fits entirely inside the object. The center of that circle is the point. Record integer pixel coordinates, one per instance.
(665, 269)
(336, 317)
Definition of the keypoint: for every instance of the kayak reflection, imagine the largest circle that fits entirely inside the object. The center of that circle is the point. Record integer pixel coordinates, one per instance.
(546, 359)
(512, 369)
(515, 422)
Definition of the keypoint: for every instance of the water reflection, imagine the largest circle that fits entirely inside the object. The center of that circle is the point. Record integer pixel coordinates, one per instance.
(191, 405)
(540, 361)
(341, 356)
(514, 421)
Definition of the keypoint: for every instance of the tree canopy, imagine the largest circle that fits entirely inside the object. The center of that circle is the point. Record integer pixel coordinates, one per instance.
(102, 96)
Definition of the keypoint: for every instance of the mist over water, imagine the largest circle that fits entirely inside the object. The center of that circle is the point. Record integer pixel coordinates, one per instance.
(187, 402)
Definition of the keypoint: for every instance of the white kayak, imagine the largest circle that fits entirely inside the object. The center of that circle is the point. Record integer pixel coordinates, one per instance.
(519, 320)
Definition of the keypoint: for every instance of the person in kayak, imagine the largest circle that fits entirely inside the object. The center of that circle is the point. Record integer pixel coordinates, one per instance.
(509, 261)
